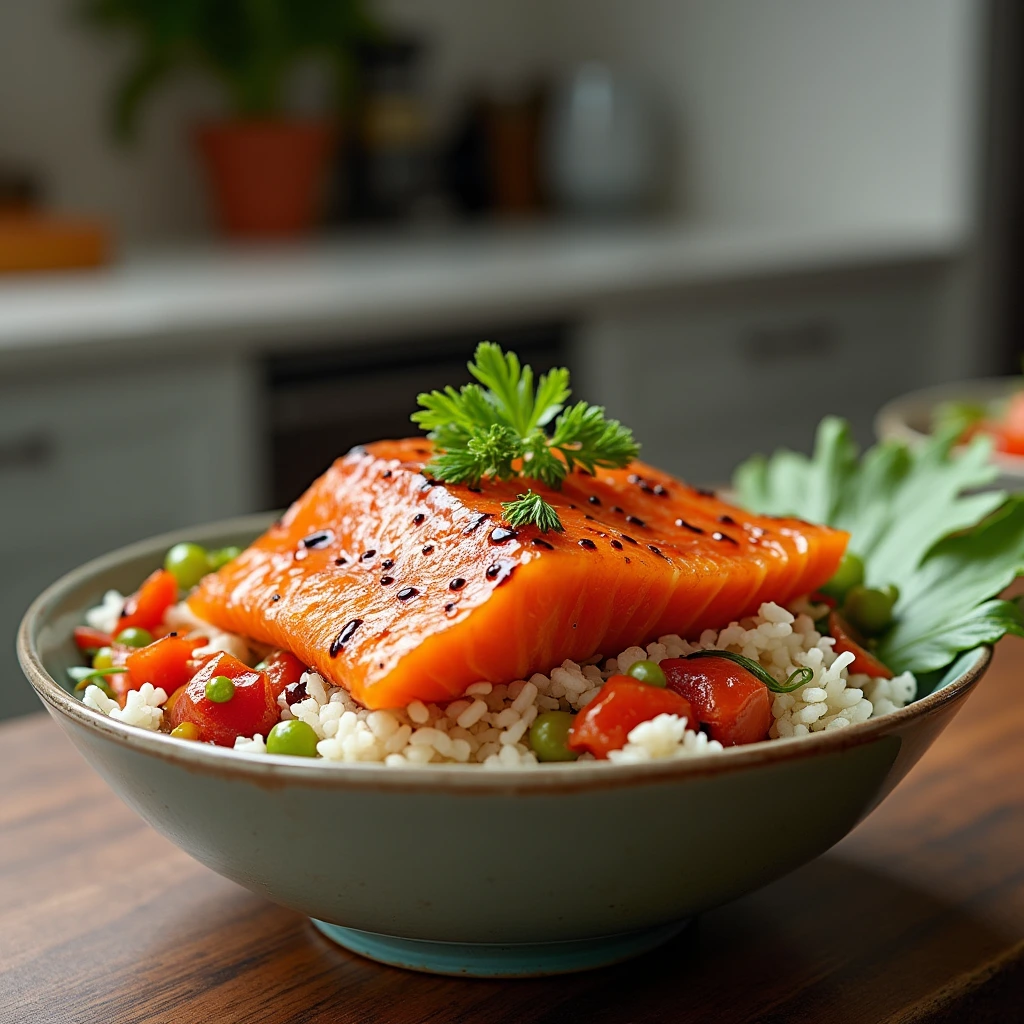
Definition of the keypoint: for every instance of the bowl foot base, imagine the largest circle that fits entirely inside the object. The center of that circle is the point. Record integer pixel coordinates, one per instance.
(491, 960)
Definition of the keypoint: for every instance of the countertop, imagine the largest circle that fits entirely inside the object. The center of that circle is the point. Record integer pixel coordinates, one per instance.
(916, 918)
(359, 286)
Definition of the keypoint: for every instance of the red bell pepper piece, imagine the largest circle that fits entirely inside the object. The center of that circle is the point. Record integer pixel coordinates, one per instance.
(89, 639)
(847, 639)
(735, 706)
(1010, 430)
(252, 709)
(282, 669)
(148, 605)
(621, 705)
(166, 662)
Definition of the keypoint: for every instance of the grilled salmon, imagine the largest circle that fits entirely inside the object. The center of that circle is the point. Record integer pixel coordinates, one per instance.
(399, 588)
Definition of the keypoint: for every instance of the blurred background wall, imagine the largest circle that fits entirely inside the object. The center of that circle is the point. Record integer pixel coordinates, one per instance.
(728, 218)
(826, 110)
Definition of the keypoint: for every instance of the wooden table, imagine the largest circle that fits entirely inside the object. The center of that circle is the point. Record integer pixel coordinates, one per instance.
(917, 917)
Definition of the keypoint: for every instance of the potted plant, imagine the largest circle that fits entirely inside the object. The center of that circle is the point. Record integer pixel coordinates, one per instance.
(266, 169)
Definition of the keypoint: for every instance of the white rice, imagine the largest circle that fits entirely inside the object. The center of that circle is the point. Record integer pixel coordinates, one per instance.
(143, 707)
(490, 724)
(105, 615)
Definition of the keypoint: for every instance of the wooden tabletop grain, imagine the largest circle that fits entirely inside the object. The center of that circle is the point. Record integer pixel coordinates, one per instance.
(916, 917)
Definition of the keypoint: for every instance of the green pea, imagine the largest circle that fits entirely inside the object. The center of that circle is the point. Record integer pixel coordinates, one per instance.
(549, 736)
(648, 672)
(850, 574)
(222, 556)
(294, 737)
(870, 609)
(103, 658)
(220, 689)
(134, 636)
(188, 563)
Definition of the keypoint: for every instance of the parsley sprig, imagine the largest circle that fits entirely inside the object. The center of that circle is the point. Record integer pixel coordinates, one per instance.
(506, 426)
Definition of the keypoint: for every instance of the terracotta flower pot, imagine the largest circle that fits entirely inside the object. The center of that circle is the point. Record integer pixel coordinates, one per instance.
(266, 177)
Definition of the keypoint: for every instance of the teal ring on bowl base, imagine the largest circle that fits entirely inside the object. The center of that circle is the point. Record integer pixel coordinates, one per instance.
(491, 960)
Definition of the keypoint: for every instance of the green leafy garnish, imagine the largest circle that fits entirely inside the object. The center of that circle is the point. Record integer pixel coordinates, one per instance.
(530, 508)
(949, 604)
(797, 678)
(85, 677)
(916, 519)
(506, 427)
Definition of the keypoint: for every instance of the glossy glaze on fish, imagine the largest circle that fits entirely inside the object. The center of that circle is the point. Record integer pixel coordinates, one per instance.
(401, 588)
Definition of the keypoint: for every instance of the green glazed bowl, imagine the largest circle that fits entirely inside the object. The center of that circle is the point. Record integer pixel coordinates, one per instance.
(462, 870)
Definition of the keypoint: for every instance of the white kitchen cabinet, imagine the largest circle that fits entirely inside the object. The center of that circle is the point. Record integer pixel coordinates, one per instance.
(93, 459)
(705, 379)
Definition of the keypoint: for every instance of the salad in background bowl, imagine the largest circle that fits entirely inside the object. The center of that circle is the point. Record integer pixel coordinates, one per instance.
(991, 408)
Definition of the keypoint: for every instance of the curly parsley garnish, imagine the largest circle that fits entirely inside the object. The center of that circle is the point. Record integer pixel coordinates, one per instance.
(506, 427)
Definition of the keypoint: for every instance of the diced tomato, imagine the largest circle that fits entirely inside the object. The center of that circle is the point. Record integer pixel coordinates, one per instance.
(89, 639)
(166, 662)
(734, 705)
(819, 598)
(847, 639)
(172, 700)
(252, 709)
(1013, 420)
(1006, 440)
(620, 706)
(282, 669)
(148, 605)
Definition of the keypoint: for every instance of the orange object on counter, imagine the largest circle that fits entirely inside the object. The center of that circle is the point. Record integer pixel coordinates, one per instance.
(30, 241)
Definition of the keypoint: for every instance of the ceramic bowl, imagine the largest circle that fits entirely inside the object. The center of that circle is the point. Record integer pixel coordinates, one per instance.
(461, 870)
(909, 419)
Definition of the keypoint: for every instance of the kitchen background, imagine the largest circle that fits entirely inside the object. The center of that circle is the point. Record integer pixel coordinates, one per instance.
(728, 218)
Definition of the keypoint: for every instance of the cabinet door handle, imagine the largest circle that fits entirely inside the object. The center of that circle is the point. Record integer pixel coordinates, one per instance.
(33, 450)
(807, 339)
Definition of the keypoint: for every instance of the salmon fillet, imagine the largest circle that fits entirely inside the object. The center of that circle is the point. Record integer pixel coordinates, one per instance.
(400, 588)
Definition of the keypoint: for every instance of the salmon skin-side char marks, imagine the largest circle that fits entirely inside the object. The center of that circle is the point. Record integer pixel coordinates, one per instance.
(398, 587)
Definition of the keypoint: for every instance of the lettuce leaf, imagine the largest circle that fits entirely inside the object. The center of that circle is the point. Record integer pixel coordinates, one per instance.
(917, 519)
(947, 605)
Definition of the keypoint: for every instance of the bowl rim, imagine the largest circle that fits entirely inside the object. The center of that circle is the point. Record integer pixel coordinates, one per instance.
(273, 771)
